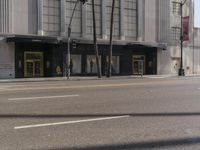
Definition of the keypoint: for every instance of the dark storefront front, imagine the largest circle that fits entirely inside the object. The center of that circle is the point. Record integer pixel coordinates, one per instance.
(33, 60)
(43, 57)
(137, 53)
(35, 56)
(125, 59)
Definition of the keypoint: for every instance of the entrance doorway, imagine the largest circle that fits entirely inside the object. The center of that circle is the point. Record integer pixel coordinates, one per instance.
(138, 64)
(33, 64)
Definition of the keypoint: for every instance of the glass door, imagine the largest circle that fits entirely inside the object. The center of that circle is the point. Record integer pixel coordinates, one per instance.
(138, 64)
(33, 64)
(29, 68)
(37, 68)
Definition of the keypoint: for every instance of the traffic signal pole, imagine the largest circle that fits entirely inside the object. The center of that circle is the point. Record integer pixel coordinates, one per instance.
(67, 63)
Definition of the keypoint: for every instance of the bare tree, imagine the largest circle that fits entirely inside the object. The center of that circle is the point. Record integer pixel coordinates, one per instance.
(95, 41)
(109, 73)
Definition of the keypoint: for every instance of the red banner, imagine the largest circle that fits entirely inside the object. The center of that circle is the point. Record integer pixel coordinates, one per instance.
(186, 28)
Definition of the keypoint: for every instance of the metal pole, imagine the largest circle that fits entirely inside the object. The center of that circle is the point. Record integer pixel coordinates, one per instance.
(67, 64)
(181, 70)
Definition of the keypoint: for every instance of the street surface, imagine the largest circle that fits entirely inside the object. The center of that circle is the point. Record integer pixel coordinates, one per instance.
(115, 114)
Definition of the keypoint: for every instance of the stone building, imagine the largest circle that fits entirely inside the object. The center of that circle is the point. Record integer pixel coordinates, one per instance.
(33, 37)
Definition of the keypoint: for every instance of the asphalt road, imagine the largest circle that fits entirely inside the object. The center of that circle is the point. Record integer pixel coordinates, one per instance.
(117, 114)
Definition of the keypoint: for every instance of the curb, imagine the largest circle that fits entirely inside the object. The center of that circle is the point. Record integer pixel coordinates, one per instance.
(44, 79)
(90, 78)
(65, 79)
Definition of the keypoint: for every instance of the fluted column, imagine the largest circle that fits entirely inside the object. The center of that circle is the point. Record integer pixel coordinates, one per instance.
(103, 15)
(122, 14)
(83, 21)
(40, 17)
(62, 18)
(140, 20)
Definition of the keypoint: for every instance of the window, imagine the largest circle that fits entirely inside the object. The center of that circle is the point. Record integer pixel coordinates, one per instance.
(176, 7)
(176, 32)
(51, 16)
(90, 18)
(76, 22)
(130, 26)
(116, 19)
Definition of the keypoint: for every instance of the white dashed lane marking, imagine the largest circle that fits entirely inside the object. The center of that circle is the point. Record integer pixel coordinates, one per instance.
(44, 97)
(70, 122)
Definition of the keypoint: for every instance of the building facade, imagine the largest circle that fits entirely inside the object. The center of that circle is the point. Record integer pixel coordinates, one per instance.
(169, 32)
(33, 38)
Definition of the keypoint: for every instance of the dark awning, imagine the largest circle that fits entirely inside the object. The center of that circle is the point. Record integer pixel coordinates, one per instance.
(162, 46)
(58, 40)
(32, 39)
(99, 41)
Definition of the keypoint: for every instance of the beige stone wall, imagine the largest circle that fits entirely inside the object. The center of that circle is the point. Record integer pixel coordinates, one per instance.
(7, 58)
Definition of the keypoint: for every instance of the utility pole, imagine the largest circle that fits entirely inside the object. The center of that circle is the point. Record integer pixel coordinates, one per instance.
(95, 41)
(109, 73)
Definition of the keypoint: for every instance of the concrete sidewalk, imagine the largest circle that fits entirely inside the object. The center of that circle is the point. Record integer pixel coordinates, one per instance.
(47, 79)
(80, 78)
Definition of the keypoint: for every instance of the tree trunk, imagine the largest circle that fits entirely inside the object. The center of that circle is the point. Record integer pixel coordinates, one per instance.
(109, 73)
(95, 41)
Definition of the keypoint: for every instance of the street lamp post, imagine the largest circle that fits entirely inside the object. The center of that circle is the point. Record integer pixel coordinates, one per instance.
(181, 71)
(67, 63)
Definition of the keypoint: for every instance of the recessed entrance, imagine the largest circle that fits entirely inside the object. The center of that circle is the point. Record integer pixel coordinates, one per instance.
(33, 64)
(138, 64)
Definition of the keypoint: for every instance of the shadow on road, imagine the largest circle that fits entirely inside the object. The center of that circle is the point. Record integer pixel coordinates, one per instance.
(171, 143)
(178, 114)
(146, 145)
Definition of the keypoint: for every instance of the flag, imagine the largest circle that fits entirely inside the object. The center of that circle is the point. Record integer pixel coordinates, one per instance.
(186, 28)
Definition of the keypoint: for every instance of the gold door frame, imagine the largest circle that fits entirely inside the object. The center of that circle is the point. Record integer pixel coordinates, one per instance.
(26, 72)
(40, 54)
(144, 63)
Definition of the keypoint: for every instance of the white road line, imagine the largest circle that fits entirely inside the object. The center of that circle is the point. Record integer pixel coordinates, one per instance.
(45, 97)
(69, 122)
